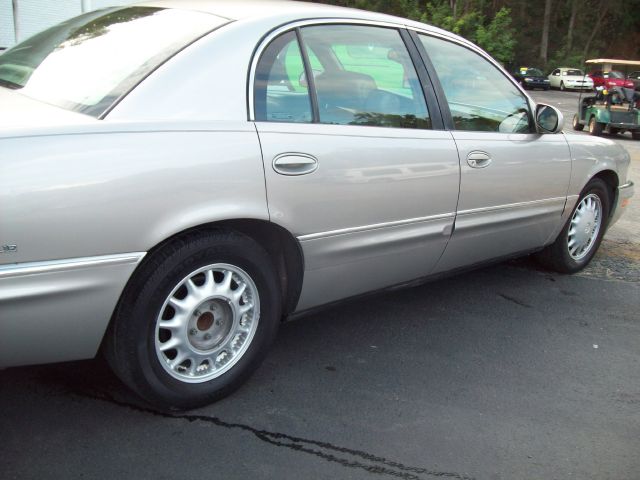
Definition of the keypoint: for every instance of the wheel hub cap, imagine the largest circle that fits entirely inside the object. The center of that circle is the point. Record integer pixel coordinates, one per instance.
(207, 323)
(209, 328)
(585, 226)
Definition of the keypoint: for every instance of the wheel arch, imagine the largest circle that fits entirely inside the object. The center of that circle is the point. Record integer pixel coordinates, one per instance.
(279, 243)
(610, 178)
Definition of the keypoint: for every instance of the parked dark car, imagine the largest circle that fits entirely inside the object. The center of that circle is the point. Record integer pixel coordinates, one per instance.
(635, 78)
(531, 78)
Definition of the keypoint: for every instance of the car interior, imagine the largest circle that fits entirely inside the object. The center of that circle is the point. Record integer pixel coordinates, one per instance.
(345, 96)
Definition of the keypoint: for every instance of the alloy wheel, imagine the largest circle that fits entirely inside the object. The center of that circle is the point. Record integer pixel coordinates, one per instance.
(207, 323)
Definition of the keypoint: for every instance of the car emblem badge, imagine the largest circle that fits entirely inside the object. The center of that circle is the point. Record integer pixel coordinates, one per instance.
(9, 249)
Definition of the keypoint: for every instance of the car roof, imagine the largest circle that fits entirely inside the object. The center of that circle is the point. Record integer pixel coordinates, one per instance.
(284, 11)
(244, 9)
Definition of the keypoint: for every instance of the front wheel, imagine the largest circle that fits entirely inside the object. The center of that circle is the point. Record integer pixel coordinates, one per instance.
(580, 238)
(196, 320)
(577, 126)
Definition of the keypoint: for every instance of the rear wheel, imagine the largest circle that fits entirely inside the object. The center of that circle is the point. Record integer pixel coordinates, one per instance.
(576, 123)
(196, 320)
(595, 128)
(635, 135)
(580, 238)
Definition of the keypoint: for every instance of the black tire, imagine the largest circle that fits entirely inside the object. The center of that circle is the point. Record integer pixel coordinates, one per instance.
(595, 128)
(577, 126)
(635, 135)
(557, 256)
(130, 343)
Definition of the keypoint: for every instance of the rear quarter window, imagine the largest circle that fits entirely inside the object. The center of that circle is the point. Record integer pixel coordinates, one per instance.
(85, 64)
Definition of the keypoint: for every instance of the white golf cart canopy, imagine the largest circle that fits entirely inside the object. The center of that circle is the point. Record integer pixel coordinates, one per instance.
(608, 63)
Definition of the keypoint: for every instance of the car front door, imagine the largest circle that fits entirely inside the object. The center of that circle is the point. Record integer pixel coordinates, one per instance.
(513, 180)
(357, 165)
(554, 78)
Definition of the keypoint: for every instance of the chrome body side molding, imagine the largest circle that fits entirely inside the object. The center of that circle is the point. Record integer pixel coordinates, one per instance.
(354, 261)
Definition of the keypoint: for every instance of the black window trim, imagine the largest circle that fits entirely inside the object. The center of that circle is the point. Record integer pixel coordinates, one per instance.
(440, 97)
(428, 91)
(311, 81)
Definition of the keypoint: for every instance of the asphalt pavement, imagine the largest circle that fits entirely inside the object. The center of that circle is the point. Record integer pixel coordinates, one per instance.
(509, 372)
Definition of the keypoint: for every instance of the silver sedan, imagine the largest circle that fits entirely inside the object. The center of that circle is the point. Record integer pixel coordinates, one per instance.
(178, 177)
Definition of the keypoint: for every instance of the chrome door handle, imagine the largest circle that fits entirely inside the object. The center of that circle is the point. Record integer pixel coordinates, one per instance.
(294, 164)
(479, 160)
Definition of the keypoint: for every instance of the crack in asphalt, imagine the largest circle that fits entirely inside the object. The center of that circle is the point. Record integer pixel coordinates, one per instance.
(514, 300)
(323, 450)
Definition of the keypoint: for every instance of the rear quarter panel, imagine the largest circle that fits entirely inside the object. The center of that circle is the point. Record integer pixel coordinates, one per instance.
(125, 188)
(83, 208)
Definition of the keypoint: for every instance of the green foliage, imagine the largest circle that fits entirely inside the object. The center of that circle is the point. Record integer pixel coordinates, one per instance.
(440, 15)
(510, 30)
(562, 58)
(497, 37)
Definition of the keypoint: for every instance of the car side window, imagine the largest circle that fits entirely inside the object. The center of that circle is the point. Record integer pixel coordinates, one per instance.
(281, 92)
(479, 95)
(364, 76)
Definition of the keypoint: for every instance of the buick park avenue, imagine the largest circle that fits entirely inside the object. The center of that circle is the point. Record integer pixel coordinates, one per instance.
(178, 177)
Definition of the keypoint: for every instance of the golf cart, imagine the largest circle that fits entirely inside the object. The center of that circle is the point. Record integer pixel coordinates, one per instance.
(614, 109)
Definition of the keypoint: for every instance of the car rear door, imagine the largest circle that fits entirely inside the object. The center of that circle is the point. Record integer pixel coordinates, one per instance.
(357, 164)
(514, 181)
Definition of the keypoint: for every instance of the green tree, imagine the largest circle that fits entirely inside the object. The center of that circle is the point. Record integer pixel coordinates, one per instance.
(498, 37)
(515, 30)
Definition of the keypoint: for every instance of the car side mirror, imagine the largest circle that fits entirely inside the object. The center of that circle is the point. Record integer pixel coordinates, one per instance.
(549, 119)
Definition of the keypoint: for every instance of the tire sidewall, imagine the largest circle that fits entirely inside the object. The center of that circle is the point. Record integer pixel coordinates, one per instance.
(151, 379)
(599, 188)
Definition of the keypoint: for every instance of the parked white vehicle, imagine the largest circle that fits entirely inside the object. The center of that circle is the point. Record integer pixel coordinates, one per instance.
(570, 79)
(178, 177)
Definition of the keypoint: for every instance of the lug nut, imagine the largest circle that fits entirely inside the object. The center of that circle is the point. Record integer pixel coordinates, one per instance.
(207, 336)
(193, 332)
(196, 313)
